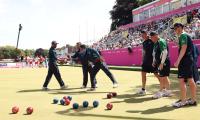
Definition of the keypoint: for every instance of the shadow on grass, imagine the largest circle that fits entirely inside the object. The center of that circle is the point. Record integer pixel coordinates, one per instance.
(32, 90)
(71, 110)
(12, 113)
(128, 98)
(59, 91)
(77, 92)
(40, 90)
(174, 87)
(27, 114)
(79, 113)
(153, 110)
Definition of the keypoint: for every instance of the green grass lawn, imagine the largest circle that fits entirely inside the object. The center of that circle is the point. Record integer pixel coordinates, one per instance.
(22, 87)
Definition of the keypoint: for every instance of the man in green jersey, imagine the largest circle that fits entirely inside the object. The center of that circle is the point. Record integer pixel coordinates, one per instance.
(162, 62)
(185, 67)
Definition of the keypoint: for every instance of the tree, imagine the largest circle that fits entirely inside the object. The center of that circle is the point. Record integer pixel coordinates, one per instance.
(29, 52)
(41, 52)
(9, 52)
(121, 14)
(46, 52)
(5, 53)
(15, 53)
(143, 2)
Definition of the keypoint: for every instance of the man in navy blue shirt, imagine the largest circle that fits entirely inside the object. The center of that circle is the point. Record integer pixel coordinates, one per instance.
(93, 56)
(53, 68)
(86, 67)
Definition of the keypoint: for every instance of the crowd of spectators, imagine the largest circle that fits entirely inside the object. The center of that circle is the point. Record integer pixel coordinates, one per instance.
(124, 38)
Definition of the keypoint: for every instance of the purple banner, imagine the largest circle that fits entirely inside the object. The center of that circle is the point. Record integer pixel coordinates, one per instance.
(154, 18)
(122, 57)
(155, 4)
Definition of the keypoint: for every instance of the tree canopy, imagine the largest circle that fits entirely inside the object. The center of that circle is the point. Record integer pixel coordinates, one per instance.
(10, 52)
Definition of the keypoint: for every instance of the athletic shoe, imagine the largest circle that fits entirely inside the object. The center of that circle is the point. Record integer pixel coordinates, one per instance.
(141, 92)
(83, 87)
(191, 102)
(198, 82)
(115, 85)
(45, 88)
(91, 89)
(157, 95)
(179, 104)
(64, 87)
(166, 93)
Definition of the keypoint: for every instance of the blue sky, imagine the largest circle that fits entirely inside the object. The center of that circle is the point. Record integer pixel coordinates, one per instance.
(47, 20)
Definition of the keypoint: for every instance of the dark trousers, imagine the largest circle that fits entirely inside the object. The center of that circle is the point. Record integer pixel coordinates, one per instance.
(195, 71)
(95, 70)
(53, 69)
(87, 69)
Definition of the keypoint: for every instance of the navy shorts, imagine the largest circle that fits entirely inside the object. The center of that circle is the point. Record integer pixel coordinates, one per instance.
(166, 69)
(148, 68)
(185, 68)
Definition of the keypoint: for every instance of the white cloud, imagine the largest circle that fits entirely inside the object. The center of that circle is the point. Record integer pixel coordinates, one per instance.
(36, 2)
(2, 6)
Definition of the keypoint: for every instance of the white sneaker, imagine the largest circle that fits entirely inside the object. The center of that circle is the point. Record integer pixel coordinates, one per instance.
(45, 88)
(141, 92)
(115, 85)
(157, 95)
(64, 87)
(91, 89)
(83, 87)
(198, 82)
(166, 93)
(179, 104)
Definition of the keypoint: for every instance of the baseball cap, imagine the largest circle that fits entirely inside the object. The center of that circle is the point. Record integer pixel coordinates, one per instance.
(177, 25)
(54, 42)
(152, 33)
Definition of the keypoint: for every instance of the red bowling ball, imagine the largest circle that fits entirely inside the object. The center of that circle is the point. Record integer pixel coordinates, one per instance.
(109, 106)
(109, 95)
(67, 101)
(15, 110)
(29, 110)
(65, 97)
(114, 94)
